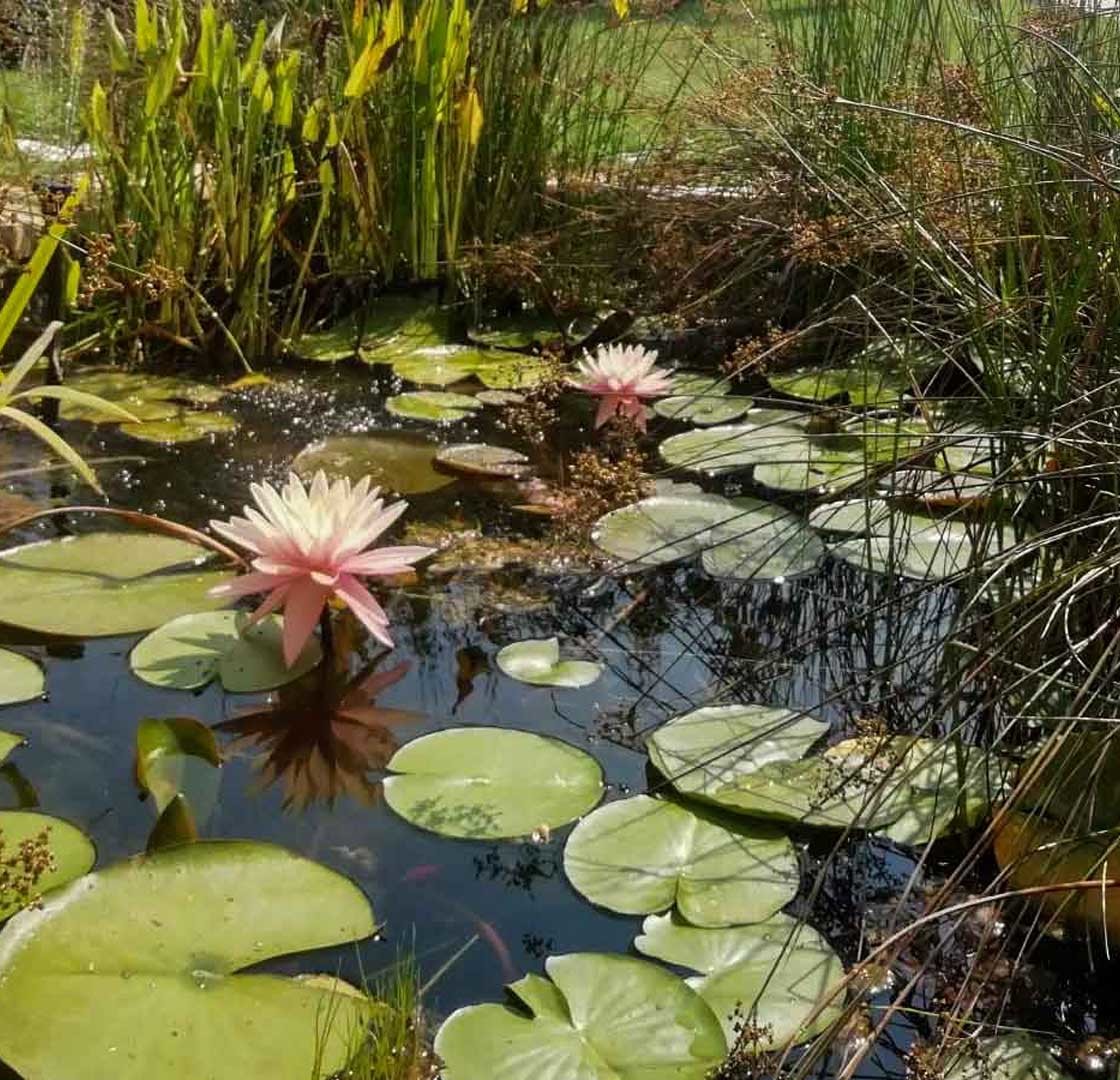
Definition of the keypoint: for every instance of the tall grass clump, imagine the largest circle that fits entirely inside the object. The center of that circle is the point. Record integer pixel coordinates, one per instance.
(944, 175)
(371, 144)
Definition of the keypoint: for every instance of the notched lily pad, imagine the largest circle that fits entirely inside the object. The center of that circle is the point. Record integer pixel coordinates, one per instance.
(21, 679)
(162, 937)
(432, 406)
(491, 783)
(539, 663)
(191, 651)
(394, 460)
(773, 974)
(642, 855)
(484, 461)
(103, 584)
(526, 330)
(600, 1018)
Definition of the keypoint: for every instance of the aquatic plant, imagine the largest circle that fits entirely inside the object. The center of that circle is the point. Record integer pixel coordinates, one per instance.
(622, 377)
(311, 544)
(11, 396)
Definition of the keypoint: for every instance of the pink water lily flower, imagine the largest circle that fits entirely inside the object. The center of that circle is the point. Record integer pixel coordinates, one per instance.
(311, 543)
(622, 375)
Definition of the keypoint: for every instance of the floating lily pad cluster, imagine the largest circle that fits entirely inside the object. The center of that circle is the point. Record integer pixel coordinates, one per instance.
(168, 410)
(747, 539)
(413, 336)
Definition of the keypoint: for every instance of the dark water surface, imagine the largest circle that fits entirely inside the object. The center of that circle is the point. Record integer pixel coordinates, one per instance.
(831, 642)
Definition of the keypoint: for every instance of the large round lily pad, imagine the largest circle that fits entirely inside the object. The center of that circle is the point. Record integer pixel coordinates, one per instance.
(21, 679)
(395, 460)
(145, 955)
(539, 663)
(68, 854)
(775, 974)
(661, 529)
(744, 539)
(642, 855)
(761, 542)
(601, 1018)
(437, 365)
(491, 783)
(102, 584)
(708, 749)
(191, 651)
(729, 448)
(432, 406)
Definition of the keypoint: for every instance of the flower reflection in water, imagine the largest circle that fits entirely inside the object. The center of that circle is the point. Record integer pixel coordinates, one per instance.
(321, 737)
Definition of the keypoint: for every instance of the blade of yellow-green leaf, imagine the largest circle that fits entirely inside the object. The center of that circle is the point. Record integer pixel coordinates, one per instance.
(18, 298)
(55, 441)
(28, 361)
(78, 397)
(147, 39)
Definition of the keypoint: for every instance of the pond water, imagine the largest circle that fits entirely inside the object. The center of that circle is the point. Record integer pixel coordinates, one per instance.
(843, 643)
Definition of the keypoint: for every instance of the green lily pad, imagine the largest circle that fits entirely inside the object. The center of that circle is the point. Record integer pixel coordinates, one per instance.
(922, 548)
(1015, 1056)
(526, 330)
(714, 451)
(851, 517)
(484, 461)
(491, 783)
(539, 663)
(499, 399)
(705, 750)
(761, 542)
(865, 384)
(161, 937)
(396, 326)
(642, 855)
(103, 584)
(148, 397)
(21, 679)
(946, 788)
(394, 460)
(8, 742)
(437, 365)
(338, 342)
(432, 406)
(744, 539)
(701, 399)
(183, 427)
(703, 410)
(838, 789)
(191, 651)
(775, 974)
(601, 1018)
(71, 854)
(177, 763)
(499, 369)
